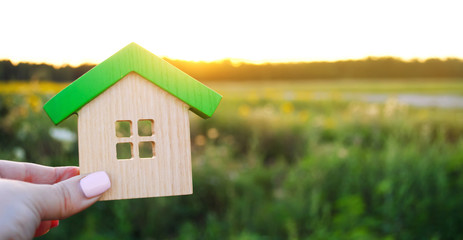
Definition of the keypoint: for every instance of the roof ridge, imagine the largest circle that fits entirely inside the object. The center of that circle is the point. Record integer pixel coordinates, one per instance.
(132, 58)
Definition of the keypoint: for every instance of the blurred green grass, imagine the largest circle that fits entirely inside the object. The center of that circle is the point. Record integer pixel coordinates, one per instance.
(277, 162)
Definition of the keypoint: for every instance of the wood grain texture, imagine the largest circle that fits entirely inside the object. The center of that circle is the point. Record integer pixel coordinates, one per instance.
(134, 98)
(133, 58)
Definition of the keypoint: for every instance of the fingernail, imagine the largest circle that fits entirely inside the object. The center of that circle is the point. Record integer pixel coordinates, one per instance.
(95, 184)
(54, 223)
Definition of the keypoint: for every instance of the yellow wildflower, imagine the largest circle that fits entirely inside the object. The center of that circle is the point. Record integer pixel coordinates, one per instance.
(244, 110)
(304, 115)
(253, 97)
(34, 102)
(287, 108)
(329, 123)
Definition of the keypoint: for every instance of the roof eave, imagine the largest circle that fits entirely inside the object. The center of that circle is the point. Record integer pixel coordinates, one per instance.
(202, 100)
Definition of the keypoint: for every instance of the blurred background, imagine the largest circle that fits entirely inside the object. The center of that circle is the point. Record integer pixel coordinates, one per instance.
(340, 119)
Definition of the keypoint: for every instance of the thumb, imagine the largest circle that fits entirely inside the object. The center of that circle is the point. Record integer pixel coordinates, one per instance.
(71, 196)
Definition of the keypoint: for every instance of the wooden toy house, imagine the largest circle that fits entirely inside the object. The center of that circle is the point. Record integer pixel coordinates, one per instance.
(133, 122)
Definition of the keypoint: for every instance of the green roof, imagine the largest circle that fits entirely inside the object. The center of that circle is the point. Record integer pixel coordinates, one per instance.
(202, 100)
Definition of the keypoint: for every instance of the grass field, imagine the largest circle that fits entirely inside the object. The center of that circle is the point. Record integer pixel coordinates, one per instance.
(428, 86)
(277, 161)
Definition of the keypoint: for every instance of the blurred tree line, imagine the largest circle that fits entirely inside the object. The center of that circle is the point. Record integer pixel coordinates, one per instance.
(32, 71)
(371, 67)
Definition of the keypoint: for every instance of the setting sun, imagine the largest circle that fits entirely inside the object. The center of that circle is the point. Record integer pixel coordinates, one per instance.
(255, 31)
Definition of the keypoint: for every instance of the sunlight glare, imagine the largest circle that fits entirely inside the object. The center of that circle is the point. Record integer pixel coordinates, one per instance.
(254, 31)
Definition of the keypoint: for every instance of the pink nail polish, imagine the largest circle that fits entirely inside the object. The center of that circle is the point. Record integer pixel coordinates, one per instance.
(95, 184)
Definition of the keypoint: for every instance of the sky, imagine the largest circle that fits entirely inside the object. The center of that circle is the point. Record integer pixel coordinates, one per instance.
(73, 32)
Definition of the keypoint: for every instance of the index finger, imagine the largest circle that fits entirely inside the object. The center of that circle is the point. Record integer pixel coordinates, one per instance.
(35, 173)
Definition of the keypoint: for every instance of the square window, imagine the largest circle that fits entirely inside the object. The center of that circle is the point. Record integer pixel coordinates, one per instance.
(146, 149)
(123, 128)
(124, 150)
(145, 127)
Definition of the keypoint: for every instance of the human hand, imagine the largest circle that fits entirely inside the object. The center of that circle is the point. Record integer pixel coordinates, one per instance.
(34, 197)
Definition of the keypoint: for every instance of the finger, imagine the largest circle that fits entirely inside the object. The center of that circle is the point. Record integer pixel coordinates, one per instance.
(71, 196)
(45, 227)
(34, 173)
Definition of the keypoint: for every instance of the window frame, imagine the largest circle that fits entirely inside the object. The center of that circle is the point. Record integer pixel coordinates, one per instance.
(135, 139)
